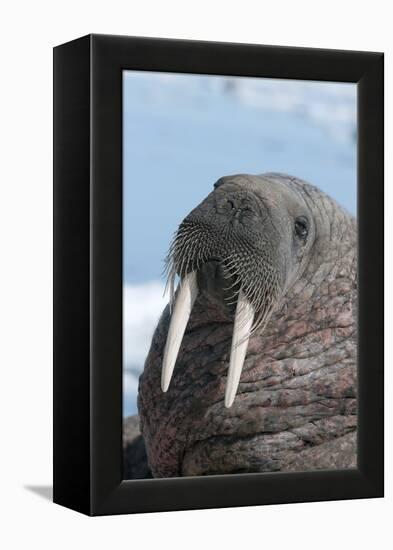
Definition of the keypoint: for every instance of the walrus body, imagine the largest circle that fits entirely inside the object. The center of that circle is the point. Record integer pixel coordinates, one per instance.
(289, 251)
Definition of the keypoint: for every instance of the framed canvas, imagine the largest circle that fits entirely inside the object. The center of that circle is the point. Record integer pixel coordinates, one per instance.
(254, 176)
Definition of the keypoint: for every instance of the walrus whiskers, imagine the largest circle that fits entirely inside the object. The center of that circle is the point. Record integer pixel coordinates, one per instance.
(253, 296)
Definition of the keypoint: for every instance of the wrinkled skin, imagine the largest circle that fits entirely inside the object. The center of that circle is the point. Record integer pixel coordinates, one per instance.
(295, 407)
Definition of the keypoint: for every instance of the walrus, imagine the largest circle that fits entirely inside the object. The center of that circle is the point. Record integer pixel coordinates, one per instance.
(252, 367)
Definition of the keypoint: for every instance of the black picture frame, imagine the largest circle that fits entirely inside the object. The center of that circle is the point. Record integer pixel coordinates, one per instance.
(88, 274)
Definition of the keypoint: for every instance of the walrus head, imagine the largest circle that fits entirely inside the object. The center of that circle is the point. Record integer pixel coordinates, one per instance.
(243, 246)
(267, 294)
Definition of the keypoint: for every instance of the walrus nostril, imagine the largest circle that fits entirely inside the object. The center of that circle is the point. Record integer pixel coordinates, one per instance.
(234, 205)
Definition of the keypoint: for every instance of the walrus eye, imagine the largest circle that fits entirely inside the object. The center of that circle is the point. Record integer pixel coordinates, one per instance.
(301, 227)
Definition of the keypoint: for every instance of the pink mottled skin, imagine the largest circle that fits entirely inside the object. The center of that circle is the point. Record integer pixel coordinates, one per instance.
(295, 408)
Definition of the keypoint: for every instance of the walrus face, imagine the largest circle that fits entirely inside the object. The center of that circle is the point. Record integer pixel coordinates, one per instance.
(243, 247)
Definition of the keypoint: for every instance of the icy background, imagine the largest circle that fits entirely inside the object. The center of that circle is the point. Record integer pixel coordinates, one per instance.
(181, 133)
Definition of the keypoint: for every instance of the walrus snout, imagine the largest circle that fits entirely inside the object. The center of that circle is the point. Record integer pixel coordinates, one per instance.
(224, 248)
(236, 207)
(215, 284)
